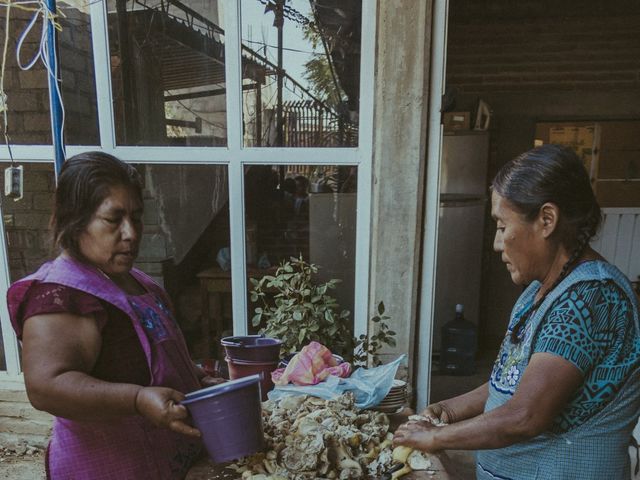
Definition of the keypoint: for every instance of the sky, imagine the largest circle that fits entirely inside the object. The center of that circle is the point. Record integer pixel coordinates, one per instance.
(258, 27)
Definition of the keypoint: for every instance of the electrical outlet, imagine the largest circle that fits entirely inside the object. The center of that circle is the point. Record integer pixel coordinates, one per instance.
(14, 182)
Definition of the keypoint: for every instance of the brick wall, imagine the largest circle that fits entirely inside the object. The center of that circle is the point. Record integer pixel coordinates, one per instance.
(27, 220)
(78, 79)
(504, 47)
(27, 91)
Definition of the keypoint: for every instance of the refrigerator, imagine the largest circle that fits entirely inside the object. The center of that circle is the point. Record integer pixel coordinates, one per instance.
(464, 198)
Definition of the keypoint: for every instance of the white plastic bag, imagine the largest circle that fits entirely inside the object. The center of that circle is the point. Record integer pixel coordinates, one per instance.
(368, 385)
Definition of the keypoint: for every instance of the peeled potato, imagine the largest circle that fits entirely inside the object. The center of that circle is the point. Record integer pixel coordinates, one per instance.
(412, 459)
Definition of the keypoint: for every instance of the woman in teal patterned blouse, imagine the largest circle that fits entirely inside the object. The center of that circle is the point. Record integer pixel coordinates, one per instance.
(564, 393)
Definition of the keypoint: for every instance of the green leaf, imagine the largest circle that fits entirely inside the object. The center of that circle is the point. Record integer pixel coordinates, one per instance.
(391, 342)
(381, 308)
(301, 335)
(391, 332)
(297, 315)
(255, 321)
(375, 319)
(254, 297)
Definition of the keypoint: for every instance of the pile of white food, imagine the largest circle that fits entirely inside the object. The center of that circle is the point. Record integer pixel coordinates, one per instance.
(308, 438)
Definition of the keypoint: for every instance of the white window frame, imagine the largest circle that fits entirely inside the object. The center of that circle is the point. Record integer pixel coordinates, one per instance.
(432, 202)
(234, 155)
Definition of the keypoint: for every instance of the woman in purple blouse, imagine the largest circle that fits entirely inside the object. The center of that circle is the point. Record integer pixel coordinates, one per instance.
(101, 350)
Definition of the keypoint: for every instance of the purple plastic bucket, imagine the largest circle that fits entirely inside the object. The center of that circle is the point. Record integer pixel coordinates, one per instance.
(252, 348)
(229, 416)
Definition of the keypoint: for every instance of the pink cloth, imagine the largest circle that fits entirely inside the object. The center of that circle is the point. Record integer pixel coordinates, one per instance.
(311, 366)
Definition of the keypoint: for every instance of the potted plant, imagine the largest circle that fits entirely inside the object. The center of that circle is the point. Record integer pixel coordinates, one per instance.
(297, 310)
(368, 346)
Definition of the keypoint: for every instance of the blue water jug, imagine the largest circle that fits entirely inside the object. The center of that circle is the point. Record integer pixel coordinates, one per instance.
(459, 345)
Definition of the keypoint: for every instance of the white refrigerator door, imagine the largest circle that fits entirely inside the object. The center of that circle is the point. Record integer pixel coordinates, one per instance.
(459, 262)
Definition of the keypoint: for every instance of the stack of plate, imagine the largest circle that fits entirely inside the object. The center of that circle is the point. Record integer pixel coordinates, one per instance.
(395, 399)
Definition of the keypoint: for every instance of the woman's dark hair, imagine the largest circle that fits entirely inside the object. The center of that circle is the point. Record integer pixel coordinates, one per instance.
(554, 174)
(83, 184)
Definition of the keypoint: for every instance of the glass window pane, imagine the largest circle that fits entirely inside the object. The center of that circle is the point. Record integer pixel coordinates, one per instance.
(186, 224)
(301, 72)
(167, 70)
(27, 90)
(27, 94)
(78, 74)
(306, 212)
(26, 223)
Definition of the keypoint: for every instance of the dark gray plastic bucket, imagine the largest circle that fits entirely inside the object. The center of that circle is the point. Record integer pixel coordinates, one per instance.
(229, 416)
(252, 348)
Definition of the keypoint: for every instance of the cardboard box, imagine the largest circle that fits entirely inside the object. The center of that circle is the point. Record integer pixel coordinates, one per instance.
(456, 121)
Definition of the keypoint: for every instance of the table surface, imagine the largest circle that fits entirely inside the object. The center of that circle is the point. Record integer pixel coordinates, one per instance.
(206, 470)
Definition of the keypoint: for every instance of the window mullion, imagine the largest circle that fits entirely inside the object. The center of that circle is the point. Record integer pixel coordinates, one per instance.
(233, 74)
(102, 65)
(11, 352)
(365, 157)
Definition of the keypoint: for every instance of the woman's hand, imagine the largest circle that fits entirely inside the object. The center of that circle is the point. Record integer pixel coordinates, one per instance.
(439, 413)
(419, 435)
(160, 406)
(205, 379)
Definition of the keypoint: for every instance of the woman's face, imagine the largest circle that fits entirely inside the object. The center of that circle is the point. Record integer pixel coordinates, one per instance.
(521, 243)
(112, 236)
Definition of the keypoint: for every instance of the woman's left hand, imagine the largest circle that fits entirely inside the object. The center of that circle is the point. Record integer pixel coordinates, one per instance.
(209, 381)
(417, 434)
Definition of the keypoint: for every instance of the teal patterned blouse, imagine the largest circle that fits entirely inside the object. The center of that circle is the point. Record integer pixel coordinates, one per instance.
(591, 326)
(592, 320)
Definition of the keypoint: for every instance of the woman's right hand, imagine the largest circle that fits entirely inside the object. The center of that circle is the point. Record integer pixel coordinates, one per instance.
(160, 405)
(439, 413)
